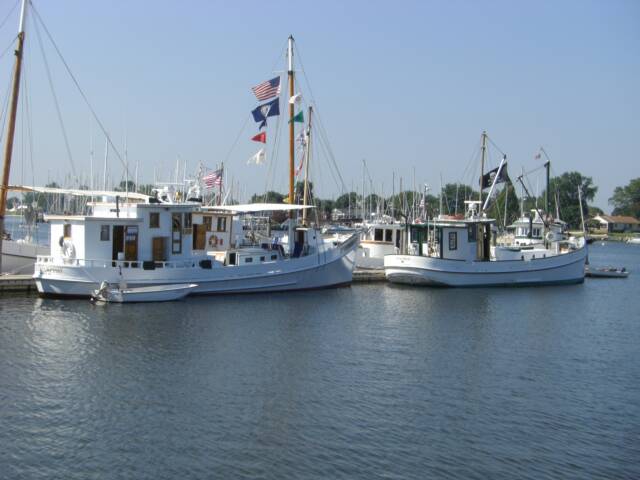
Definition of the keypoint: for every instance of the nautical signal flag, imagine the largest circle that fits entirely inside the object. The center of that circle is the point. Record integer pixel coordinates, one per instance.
(267, 90)
(261, 137)
(299, 117)
(269, 109)
(258, 158)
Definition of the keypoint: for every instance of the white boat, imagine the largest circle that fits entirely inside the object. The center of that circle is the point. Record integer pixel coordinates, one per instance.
(634, 240)
(145, 243)
(605, 272)
(163, 240)
(152, 293)
(378, 238)
(461, 253)
(19, 256)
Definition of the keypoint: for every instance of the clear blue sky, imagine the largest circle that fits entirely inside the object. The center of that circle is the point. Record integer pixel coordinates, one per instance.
(402, 84)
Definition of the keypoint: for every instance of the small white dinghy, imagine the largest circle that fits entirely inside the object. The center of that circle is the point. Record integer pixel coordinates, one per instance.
(153, 293)
(605, 272)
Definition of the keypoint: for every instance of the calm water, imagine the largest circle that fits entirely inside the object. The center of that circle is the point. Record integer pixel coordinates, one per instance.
(372, 381)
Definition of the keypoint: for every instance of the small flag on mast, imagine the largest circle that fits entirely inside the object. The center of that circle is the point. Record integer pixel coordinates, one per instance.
(261, 137)
(299, 117)
(213, 179)
(267, 90)
(295, 99)
(269, 109)
(258, 158)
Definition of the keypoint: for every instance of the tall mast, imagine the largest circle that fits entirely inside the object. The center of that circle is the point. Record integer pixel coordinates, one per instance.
(546, 190)
(484, 151)
(11, 128)
(306, 169)
(291, 114)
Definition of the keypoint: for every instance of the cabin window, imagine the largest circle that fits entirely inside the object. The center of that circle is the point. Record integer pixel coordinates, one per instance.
(453, 240)
(274, 257)
(536, 232)
(104, 233)
(377, 235)
(206, 221)
(248, 260)
(187, 224)
(176, 233)
(262, 259)
(154, 220)
(388, 235)
(66, 230)
(222, 224)
(471, 234)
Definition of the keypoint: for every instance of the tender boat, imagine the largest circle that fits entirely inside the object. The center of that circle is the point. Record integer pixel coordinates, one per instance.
(153, 293)
(605, 272)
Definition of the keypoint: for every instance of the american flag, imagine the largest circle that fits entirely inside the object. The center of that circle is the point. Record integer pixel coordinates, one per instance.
(268, 89)
(213, 178)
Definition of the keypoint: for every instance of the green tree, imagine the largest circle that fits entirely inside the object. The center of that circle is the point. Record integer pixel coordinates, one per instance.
(351, 198)
(497, 206)
(453, 192)
(122, 186)
(269, 197)
(566, 186)
(626, 200)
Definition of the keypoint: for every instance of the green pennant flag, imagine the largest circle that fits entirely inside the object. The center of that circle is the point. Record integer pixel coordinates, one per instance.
(299, 117)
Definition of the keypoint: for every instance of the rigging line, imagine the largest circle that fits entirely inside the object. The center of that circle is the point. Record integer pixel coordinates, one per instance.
(9, 14)
(235, 142)
(496, 146)
(11, 44)
(5, 109)
(318, 117)
(55, 98)
(84, 97)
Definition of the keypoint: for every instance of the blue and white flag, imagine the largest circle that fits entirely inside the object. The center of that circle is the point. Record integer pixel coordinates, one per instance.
(269, 109)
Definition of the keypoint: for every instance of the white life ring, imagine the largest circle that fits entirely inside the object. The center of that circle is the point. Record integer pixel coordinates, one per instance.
(550, 236)
(213, 241)
(68, 250)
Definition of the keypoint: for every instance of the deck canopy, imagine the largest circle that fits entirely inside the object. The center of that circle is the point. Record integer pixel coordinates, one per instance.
(80, 193)
(257, 207)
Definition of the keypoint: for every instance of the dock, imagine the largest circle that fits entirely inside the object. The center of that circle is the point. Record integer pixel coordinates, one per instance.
(368, 276)
(17, 283)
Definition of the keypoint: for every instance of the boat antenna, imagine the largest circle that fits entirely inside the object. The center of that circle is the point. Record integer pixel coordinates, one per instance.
(11, 128)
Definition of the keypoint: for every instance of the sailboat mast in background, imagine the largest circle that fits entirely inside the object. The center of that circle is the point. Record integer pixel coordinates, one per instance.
(11, 128)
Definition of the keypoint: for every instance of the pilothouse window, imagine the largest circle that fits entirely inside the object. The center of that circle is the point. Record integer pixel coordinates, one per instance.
(388, 235)
(378, 234)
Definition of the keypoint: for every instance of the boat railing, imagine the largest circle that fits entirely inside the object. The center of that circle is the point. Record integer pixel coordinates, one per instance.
(105, 263)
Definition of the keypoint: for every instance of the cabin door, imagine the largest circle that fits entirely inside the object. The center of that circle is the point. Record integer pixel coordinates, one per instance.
(131, 243)
(118, 241)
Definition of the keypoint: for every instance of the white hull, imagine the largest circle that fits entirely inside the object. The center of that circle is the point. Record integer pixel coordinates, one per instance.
(20, 257)
(418, 270)
(332, 268)
(370, 255)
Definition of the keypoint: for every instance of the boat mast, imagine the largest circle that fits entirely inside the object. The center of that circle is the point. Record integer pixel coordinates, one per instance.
(306, 169)
(11, 128)
(482, 157)
(291, 122)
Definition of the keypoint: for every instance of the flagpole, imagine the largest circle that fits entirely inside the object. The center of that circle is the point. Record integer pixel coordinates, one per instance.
(484, 151)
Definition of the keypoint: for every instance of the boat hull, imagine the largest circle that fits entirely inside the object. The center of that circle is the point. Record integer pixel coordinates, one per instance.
(324, 270)
(20, 257)
(566, 268)
(166, 293)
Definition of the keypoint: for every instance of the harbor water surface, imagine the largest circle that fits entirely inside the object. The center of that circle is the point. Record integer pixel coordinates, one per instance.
(371, 381)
